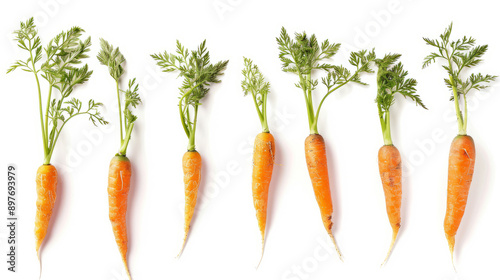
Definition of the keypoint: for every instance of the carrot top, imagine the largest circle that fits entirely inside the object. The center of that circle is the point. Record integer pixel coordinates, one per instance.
(459, 54)
(391, 79)
(255, 84)
(304, 55)
(113, 58)
(62, 54)
(198, 74)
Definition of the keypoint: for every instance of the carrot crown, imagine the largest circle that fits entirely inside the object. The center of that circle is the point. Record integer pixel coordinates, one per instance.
(458, 55)
(255, 84)
(113, 58)
(62, 54)
(391, 79)
(304, 55)
(198, 74)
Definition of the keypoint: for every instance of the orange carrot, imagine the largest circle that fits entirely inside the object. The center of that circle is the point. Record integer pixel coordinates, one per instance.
(46, 187)
(191, 166)
(120, 168)
(457, 56)
(263, 163)
(263, 154)
(198, 74)
(318, 171)
(460, 170)
(389, 163)
(391, 79)
(118, 188)
(62, 80)
(304, 55)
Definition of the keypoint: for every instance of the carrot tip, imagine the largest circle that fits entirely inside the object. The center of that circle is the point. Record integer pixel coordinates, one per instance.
(393, 241)
(40, 263)
(336, 247)
(183, 245)
(451, 245)
(261, 254)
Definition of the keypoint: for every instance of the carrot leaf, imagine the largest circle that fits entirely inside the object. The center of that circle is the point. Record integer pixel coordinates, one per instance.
(198, 73)
(459, 55)
(255, 84)
(304, 55)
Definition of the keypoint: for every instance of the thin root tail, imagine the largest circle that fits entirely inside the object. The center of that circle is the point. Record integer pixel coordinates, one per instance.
(183, 245)
(451, 245)
(393, 241)
(336, 247)
(261, 253)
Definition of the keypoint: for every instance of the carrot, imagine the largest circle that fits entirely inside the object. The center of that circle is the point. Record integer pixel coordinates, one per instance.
(302, 56)
(61, 56)
(389, 163)
(459, 55)
(198, 74)
(46, 189)
(460, 171)
(264, 150)
(191, 167)
(391, 79)
(318, 171)
(120, 172)
(120, 166)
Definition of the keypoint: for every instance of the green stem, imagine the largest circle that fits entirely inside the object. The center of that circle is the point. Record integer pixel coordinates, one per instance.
(191, 145)
(119, 110)
(265, 126)
(461, 127)
(187, 128)
(51, 148)
(123, 148)
(47, 112)
(44, 133)
(386, 128)
(465, 114)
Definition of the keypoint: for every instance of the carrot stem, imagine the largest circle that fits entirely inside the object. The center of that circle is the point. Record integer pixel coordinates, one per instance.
(119, 110)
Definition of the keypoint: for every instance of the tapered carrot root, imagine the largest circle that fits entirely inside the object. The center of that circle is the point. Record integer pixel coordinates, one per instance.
(120, 172)
(460, 171)
(46, 187)
(318, 171)
(389, 164)
(191, 166)
(263, 163)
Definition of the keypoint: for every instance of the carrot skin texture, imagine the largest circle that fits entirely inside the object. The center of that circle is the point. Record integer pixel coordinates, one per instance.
(460, 171)
(389, 163)
(46, 187)
(120, 172)
(318, 172)
(263, 163)
(191, 166)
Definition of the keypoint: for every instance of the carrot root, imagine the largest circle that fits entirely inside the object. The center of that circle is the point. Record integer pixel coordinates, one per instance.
(46, 187)
(263, 163)
(120, 172)
(318, 172)
(191, 166)
(460, 170)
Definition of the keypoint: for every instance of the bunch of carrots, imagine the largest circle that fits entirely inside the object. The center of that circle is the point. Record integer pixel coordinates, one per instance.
(302, 55)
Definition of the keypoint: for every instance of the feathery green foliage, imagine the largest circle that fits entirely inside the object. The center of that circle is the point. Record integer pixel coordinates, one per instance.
(304, 55)
(392, 79)
(459, 55)
(198, 73)
(255, 84)
(113, 59)
(62, 56)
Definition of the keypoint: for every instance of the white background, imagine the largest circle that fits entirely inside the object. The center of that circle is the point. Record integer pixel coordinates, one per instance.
(224, 240)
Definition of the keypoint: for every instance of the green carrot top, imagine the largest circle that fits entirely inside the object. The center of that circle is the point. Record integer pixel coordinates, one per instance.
(58, 68)
(255, 84)
(459, 55)
(391, 79)
(113, 58)
(304, 55)
(198, 74)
